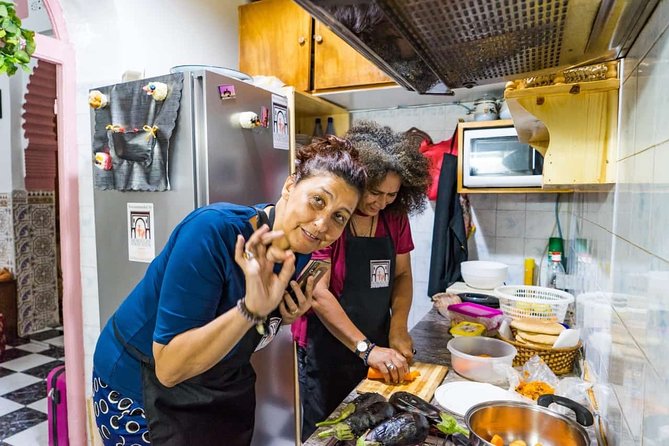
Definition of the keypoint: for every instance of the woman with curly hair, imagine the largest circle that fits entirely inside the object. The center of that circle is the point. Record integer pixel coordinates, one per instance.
(361, 307)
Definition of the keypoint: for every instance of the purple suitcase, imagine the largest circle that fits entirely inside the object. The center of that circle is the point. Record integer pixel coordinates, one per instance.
(57, 406)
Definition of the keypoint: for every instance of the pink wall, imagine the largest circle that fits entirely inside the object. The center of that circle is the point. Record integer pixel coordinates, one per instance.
(59, 51)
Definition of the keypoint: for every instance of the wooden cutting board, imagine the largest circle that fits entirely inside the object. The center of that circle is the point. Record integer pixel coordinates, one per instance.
(431, 376)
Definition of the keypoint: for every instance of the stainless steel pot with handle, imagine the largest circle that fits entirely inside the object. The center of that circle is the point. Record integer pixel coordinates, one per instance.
(533, 424)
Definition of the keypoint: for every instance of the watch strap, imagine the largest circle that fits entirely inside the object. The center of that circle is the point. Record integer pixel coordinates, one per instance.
(365, 355)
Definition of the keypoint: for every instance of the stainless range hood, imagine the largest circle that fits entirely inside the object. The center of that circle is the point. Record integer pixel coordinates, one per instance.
(433, 46)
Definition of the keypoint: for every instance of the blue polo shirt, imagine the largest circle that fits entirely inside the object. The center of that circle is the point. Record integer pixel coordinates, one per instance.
(192, 281)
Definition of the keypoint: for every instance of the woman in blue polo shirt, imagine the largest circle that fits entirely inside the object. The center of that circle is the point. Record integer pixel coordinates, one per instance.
(171, 367)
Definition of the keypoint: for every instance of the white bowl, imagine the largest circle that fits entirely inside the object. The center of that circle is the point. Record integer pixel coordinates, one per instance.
(483, 274)
(467, 361)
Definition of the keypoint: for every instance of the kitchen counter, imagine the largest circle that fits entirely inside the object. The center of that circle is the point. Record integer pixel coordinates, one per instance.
(430, 337)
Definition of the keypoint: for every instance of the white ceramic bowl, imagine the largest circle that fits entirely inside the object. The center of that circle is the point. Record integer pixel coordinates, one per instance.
(484, 274)
(467, 359)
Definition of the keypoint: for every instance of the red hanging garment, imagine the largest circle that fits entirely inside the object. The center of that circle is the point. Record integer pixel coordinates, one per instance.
(435, 152)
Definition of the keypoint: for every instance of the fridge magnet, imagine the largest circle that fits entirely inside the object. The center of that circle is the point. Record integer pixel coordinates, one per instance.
(264, 116)
(280, 122)
(97, 99)
(226, 91)
(249, 120)
(141, 245)
(103, 160)
(156, 89)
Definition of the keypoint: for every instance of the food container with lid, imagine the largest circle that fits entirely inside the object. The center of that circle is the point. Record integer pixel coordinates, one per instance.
(481, 359)
(465, 328)
(490, 318)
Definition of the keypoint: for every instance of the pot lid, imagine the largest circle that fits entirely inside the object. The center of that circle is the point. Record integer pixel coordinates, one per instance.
(481, 299)
(458, 397)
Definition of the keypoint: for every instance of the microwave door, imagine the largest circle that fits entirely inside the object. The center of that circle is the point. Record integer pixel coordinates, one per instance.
(494, 157)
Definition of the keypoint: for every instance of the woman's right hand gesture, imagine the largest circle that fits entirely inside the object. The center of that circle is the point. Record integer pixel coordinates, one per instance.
(389, 362)
(264, 288)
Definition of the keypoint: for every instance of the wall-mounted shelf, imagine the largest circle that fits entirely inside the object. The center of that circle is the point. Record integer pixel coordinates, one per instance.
(573, 124)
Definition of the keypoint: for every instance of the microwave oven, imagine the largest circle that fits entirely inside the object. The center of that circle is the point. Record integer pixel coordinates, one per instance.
(494, 157)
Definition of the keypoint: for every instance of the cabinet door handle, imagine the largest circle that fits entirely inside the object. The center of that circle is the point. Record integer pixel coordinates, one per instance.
(318, 38)
(301, 40)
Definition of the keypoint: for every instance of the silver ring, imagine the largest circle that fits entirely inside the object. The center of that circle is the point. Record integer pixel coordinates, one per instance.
(248, 255)
(390, 365)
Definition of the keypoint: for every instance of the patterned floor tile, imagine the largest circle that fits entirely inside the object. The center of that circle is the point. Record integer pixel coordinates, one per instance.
(26, 362)
(41, 371)
(33, 347)
(12, 354)
(36, 435)
(46, 334)
(19, 341)
(18, 421)
(29, 394)
(54, 352)
(15, 381)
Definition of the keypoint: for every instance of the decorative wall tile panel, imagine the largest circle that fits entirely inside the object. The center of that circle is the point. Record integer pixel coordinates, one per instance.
(34, 233)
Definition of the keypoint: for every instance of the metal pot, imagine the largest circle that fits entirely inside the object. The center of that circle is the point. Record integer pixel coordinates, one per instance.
(531, 423)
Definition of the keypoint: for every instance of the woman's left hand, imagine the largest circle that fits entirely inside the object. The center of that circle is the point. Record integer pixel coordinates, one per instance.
(289, 308)
(401, 341)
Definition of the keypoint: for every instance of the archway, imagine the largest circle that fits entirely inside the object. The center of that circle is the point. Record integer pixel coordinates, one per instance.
(57, 50)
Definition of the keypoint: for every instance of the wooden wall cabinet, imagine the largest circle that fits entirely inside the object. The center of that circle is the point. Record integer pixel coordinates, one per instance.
(574, 124)
(279, 38)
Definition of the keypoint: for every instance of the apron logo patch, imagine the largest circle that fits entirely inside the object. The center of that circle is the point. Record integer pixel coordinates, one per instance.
(273, 328)
(380, 273)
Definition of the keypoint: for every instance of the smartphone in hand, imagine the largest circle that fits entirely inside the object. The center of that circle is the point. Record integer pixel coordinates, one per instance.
(315, 269)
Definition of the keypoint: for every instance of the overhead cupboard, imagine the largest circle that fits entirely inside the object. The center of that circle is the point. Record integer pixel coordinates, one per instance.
(279, 38)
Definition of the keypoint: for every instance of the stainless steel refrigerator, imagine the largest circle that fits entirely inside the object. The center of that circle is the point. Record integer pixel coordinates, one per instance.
(212, 158)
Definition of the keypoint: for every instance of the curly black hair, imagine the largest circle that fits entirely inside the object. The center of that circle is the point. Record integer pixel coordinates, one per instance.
(381, 151)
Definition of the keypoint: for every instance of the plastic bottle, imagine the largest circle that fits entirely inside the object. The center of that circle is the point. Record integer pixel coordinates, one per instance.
(528, 277)
(330, 130)
(318, 129)
(555, 274)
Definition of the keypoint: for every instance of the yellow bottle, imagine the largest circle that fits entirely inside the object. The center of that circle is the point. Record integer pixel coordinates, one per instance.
(528, 278)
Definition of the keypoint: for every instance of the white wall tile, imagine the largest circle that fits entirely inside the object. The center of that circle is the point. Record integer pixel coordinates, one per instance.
(510, 224)
(511, 202)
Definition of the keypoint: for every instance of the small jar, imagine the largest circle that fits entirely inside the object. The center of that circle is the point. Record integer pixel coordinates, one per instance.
(485, 109)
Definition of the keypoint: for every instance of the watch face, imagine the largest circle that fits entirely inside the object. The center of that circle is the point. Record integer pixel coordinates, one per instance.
(362, 346)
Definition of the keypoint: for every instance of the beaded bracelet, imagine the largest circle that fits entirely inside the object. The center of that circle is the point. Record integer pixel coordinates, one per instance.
(366, 356)
(259, 321)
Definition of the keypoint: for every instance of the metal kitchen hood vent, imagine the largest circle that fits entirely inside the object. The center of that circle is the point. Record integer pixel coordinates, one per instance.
(432, 46)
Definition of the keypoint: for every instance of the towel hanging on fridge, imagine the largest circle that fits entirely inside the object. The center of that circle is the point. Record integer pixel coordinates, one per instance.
(132, 135)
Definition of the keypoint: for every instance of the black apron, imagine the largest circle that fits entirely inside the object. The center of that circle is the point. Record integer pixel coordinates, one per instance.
(332, 370)
(213, 408)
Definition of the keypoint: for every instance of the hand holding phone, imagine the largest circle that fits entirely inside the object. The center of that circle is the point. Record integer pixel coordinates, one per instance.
(315, 269)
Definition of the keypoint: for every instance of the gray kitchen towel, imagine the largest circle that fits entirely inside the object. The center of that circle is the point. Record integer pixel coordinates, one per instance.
(135, 130)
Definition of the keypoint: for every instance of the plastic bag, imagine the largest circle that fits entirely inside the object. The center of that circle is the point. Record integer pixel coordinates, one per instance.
(533, 377)
(442, 301)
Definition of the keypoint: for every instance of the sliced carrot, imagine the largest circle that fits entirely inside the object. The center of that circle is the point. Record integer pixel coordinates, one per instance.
(497, 440)
(373, 373)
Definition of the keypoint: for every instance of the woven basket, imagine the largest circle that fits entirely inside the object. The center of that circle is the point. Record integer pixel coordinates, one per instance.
(559, 360)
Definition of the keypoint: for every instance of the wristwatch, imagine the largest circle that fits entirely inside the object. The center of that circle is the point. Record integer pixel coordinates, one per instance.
(362, 349)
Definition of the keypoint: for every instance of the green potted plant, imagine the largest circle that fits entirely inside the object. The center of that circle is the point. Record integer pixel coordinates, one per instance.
(16, 44)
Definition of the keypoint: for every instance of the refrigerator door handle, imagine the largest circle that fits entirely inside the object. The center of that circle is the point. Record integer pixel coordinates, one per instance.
(199, 126)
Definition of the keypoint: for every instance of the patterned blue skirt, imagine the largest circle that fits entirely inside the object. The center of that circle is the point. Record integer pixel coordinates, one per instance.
(121, 420)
